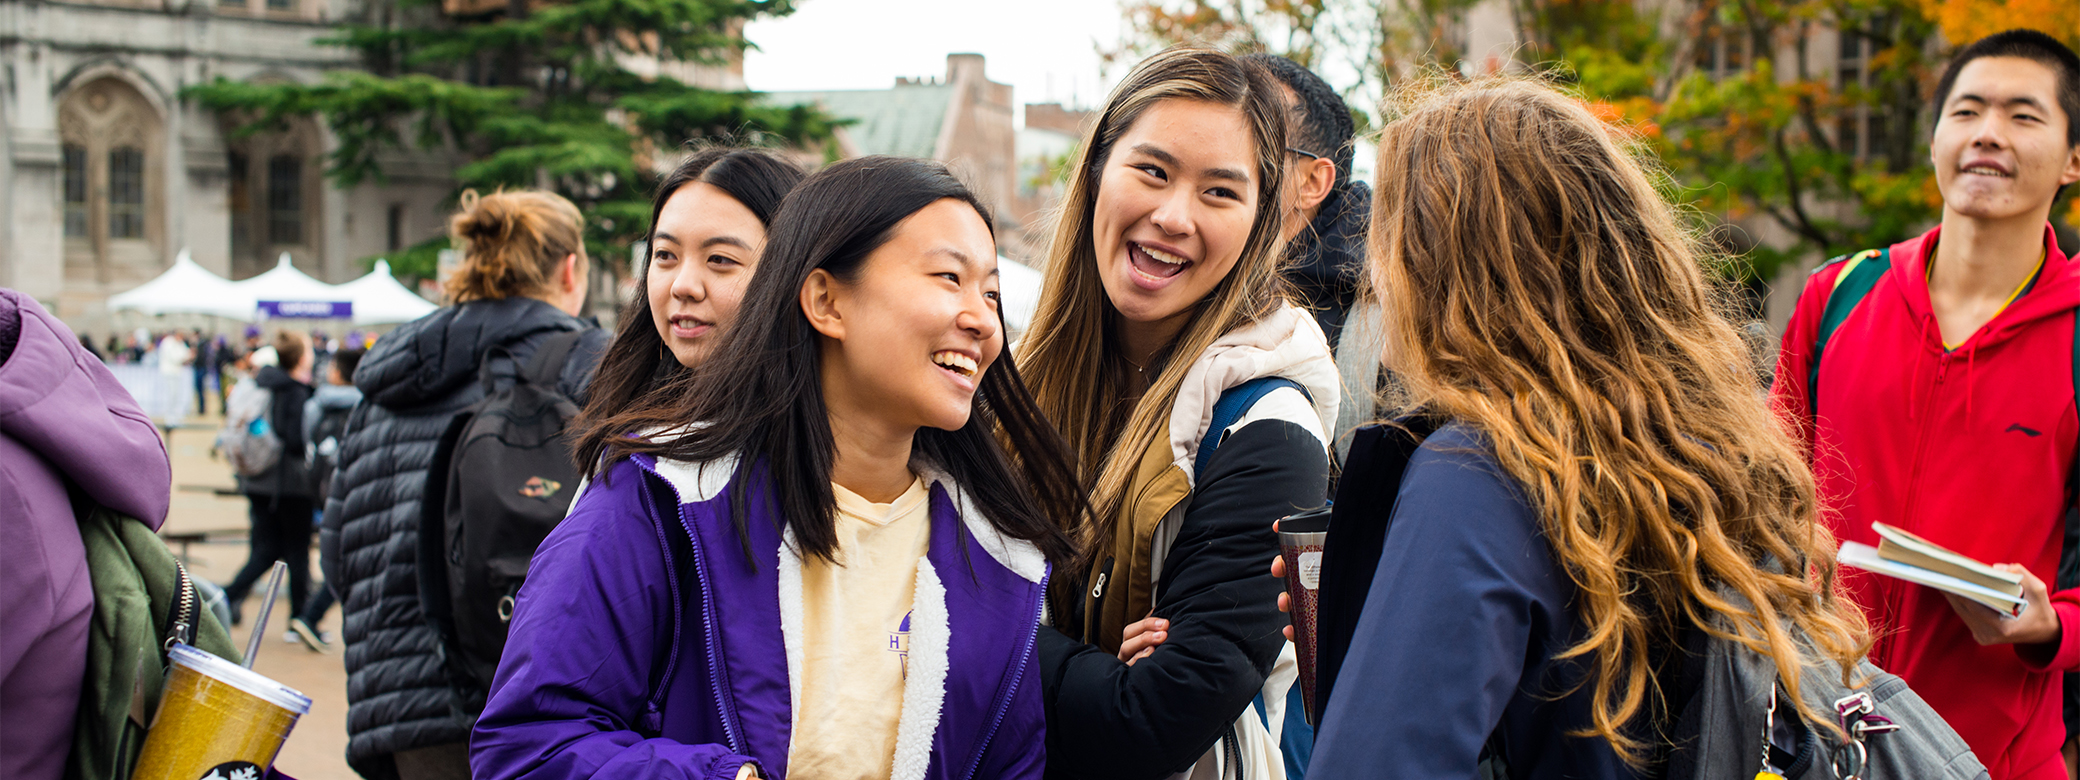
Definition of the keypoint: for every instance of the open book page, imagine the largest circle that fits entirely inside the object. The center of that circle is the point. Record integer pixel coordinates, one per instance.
(1865, 557)
(1895, 544)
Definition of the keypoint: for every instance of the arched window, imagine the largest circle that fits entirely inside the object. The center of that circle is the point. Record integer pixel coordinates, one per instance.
(111, 194)
(75, 191)
(273, 194)
(285, 199)
(126, 192)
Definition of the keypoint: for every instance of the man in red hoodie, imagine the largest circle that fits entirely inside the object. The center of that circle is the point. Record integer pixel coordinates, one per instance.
(1943, 403)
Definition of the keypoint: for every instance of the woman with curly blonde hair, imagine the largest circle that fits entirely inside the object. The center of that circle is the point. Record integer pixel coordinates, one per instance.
(1592, 475)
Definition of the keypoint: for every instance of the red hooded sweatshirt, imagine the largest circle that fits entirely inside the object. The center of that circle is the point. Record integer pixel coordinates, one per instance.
(1968, 447)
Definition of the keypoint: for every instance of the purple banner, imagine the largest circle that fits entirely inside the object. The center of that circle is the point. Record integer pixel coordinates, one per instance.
(309, 310)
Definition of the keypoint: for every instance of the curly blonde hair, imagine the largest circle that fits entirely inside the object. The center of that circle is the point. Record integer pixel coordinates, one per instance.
(1539, 288)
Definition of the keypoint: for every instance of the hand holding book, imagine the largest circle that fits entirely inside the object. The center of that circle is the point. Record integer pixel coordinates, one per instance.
(2001, 604)
(2037, 624)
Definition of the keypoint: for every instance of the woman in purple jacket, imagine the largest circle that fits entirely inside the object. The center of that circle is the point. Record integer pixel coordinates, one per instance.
(811, 554)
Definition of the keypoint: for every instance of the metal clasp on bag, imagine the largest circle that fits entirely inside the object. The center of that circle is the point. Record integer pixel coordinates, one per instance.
(1859, 719)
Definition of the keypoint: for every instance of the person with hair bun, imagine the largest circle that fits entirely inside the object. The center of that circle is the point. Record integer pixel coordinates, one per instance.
(522, 281)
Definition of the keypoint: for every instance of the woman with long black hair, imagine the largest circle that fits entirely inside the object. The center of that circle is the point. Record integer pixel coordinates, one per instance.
(708, 224)
(811, 557)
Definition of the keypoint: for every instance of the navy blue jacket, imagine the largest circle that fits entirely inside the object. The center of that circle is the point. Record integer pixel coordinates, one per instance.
(1455, 643)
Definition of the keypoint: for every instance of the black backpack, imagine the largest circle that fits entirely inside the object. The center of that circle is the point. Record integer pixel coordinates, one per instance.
(501, 478)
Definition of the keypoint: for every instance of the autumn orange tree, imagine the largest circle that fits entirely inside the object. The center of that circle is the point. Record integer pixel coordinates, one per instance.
(1807, 116)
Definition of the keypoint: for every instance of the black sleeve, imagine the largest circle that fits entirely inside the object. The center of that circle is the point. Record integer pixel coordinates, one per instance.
(1150, 720)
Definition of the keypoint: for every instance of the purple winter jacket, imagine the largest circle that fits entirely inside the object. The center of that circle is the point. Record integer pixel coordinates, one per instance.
(62, 416)
(578, 691)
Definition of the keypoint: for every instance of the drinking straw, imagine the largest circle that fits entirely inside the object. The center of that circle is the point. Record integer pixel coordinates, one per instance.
(274, 583)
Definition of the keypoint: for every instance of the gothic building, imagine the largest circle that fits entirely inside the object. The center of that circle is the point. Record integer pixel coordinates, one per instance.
(108, 173)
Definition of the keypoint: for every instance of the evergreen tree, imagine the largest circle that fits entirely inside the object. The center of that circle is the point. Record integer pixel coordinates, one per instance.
(554, 94)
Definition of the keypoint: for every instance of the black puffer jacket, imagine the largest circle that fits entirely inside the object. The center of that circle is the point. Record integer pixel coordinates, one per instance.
(399, 697)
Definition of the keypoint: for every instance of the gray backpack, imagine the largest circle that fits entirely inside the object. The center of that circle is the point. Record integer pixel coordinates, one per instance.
(1892, 732)
(246, 440)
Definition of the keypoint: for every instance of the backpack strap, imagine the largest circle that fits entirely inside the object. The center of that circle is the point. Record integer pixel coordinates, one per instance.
(2069, 555)
(1233, 403)
(1860, 272)
(547, 363)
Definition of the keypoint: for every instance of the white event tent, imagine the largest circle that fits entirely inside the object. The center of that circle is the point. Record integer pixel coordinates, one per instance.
(379, 298)
(285, 283)
(188, 288)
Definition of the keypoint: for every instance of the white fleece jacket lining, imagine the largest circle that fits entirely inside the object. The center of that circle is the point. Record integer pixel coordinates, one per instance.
(924, 691)
(697, 482)
(1287, 343)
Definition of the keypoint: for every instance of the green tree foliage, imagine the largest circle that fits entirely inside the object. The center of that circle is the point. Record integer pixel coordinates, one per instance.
(555, 94)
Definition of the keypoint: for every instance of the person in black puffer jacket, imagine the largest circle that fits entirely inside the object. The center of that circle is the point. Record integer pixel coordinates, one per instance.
(522, 280)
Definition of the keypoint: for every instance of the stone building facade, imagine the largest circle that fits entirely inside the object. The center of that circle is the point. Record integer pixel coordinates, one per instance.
(108, 174)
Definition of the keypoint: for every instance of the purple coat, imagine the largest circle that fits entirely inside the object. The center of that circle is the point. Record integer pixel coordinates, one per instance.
(577, 693)
(63, 417)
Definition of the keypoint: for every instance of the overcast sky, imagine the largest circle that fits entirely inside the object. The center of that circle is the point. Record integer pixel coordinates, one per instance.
(1045, 49)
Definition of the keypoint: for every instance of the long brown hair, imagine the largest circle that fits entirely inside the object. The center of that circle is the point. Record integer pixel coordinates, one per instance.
(1538, 287)
(511, 244)
(1077, 374)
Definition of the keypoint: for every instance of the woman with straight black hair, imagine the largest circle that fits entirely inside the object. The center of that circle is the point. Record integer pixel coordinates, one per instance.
(812, 557)
(708, 225)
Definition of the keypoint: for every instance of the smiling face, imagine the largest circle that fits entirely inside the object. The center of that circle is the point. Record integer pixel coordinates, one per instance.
(702, 252)
(908, 340)
(2000, 146)
(1176, 199)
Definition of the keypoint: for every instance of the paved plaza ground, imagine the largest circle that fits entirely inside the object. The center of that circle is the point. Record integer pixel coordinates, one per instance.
(317, 749)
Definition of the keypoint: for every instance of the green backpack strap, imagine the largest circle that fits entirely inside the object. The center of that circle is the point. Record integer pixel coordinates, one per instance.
(1860, 272)
(144, 600)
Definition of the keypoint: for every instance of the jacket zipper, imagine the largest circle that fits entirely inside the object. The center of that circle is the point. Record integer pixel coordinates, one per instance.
(1892, 594)
(716, 681)
(1097, 602)
(1011, 685)
(184, 610)
(1921, 440)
